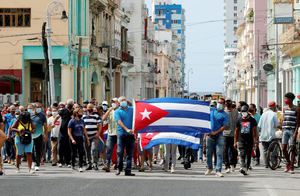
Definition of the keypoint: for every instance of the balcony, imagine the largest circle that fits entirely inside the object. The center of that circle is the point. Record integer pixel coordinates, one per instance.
(127, 58)
(290, 46)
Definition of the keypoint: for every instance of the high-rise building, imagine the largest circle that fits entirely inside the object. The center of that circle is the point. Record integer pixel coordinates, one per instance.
(172, 16)
(233, 17)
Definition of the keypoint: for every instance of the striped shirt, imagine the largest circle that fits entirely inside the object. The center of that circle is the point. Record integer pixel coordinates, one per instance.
(290, 118)
(91, 124)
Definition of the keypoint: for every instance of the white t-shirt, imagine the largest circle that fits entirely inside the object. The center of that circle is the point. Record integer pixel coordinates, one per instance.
(54, 130)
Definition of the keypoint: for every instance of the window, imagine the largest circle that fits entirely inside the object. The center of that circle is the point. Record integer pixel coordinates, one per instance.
(235, 8)
(235, 22)
(235, 15)
(234, 1)
(15, 17)
(234, 29)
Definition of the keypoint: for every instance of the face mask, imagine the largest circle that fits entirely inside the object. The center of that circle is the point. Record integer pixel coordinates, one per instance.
(251, 111)
(79, 115)
(17, 116)
(244, 114)
(54, 113)
(113, 105)
(219, 107)
(30, 111)
(12, 112)
(228, 105)
(123, 104)
(69, 106)
(104, 107)
(38, 110)
(287, 102)
(48, 113)
(90, 110)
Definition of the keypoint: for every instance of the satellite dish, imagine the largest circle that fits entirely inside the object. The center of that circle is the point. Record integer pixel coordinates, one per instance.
(268, 67)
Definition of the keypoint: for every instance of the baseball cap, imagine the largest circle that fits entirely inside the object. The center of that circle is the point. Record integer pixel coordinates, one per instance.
(85, 101)
(104, 103)
(115, 99)
(272, 104)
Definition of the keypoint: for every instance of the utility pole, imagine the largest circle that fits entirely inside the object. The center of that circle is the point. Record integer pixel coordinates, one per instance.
(110, 71)
(277, 92)
(79, 72)
(258, 75)
(46, 63)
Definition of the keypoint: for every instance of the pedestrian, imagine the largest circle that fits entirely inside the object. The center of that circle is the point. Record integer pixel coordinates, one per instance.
(170, 149)
(24, 128)
(47, 145)
(245, 138)
(93, 127)
(112, 133)
(2, 141)
(40, 135)
(76, 131)
(126, 140)
(230, 153)
(215, 140)
(101, 149)
(142, 155)
(54, 135)
(290, 125)
(256, 116)
(9, 144)
(267, 127)
(64, 147)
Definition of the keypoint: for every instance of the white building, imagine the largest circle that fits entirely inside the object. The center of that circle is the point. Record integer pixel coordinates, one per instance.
(233, 17)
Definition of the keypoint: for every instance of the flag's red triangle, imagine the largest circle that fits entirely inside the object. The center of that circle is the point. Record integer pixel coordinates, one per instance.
(146, 114)
(146, 138)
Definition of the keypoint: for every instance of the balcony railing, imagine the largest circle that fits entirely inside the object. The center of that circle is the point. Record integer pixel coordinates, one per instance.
(290, 45)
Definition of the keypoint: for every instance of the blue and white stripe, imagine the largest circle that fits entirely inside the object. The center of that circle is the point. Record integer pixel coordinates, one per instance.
(188, 139)
(184, 115)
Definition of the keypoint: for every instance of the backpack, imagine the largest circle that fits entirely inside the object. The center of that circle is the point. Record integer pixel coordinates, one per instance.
(25, 137)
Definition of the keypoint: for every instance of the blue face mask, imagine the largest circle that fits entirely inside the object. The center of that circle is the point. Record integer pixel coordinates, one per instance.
(104, 107)
(38, 110)
(30, 111)
(219, 107)
(17, 116)
(123, 104)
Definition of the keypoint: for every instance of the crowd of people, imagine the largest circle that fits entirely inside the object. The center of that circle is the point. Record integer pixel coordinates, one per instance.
(84, 137)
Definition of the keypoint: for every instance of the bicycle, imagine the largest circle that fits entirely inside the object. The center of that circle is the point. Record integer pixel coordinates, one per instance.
(274, 154)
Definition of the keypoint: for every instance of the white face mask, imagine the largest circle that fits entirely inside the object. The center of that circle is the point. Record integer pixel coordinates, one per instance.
(113, 105)
(54, 113)
(244, 114)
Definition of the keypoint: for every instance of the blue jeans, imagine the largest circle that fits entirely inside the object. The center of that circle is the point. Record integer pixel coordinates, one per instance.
(125, 142)
(111, 142)
(288, 136)
(217, 144)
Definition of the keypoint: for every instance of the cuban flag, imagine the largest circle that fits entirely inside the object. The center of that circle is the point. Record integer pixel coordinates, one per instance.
(171, 120)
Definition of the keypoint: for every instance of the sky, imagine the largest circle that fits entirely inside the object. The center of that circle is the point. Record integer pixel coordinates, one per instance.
(204, 44)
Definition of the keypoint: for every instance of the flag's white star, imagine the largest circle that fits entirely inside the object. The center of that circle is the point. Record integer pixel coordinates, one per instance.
(145, 114)
(149, 134)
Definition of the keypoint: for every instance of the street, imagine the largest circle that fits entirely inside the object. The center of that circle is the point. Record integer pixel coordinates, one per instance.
(64, 182)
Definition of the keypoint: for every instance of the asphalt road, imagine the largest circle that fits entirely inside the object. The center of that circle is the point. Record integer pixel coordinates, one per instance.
(54, 181)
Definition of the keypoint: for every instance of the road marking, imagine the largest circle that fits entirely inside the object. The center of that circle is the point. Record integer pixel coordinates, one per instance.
(270, 190)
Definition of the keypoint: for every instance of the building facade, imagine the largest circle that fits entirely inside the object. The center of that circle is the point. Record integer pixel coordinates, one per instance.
(172, 16)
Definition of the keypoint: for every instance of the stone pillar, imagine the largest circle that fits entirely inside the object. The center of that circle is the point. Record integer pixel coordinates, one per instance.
(67, 82)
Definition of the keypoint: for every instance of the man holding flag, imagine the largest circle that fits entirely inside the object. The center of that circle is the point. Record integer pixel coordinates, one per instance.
(125, 138)
(219, 122)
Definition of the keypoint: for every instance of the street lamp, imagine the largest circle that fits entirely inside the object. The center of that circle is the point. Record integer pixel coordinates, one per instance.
(53, 8)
